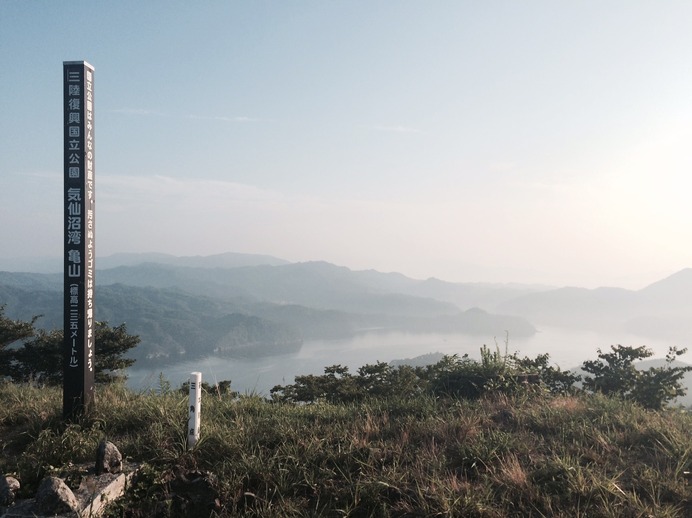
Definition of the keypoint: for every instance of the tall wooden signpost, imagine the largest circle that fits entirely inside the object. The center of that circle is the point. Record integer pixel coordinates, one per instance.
(80, 255)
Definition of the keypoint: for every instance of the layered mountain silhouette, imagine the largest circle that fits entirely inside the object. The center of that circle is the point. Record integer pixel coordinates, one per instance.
(660, 310)
(244, 305)
(247, 305)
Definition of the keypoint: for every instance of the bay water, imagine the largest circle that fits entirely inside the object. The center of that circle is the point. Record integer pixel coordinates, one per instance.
(568, 348)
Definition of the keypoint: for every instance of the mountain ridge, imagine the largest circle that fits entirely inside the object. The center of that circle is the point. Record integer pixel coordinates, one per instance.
(318, 294)
(273, 306)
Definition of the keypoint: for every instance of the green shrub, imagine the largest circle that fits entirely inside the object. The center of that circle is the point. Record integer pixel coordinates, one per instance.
(615, 374)
(39, 356)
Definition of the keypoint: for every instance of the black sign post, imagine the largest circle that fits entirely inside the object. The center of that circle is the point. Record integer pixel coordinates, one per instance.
(79, 329)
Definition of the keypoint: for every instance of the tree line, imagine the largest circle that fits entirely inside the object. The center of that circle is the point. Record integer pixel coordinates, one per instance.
(614, 374)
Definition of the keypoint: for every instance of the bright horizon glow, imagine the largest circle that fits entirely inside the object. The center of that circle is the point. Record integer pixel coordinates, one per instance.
(533, 143)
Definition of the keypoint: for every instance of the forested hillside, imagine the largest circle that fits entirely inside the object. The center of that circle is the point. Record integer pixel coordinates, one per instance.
(183, 312)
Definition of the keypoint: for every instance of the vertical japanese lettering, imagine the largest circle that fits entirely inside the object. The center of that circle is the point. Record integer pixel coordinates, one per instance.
(79, 232)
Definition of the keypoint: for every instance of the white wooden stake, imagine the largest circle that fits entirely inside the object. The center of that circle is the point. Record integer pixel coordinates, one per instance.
(195, 406)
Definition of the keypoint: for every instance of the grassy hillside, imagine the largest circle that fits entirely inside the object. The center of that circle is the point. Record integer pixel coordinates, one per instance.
(525, 454)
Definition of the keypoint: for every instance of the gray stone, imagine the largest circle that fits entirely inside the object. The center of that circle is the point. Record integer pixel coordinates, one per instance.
(54, 497)
(108, 458)
(8, 490)
(96, 492)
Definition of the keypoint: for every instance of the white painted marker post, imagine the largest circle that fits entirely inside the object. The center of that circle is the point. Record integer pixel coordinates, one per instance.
(195, 406)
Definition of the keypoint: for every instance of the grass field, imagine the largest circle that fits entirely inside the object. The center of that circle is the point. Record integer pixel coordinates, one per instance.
(524, 454)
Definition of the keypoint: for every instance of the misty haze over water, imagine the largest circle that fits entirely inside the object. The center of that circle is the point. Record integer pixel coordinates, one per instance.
(260, 321)
(568, 348)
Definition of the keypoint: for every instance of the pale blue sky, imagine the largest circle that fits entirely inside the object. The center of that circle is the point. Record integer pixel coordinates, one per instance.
(535, 141)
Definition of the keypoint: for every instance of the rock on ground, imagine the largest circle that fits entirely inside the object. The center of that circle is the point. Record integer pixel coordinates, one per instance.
(108, 458)
(8, 490)
(54, 497)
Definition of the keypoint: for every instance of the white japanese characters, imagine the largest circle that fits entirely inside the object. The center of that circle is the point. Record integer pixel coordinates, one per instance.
(79, 232)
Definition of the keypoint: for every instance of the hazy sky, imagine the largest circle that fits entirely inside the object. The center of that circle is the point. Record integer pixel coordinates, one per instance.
(533, 141)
